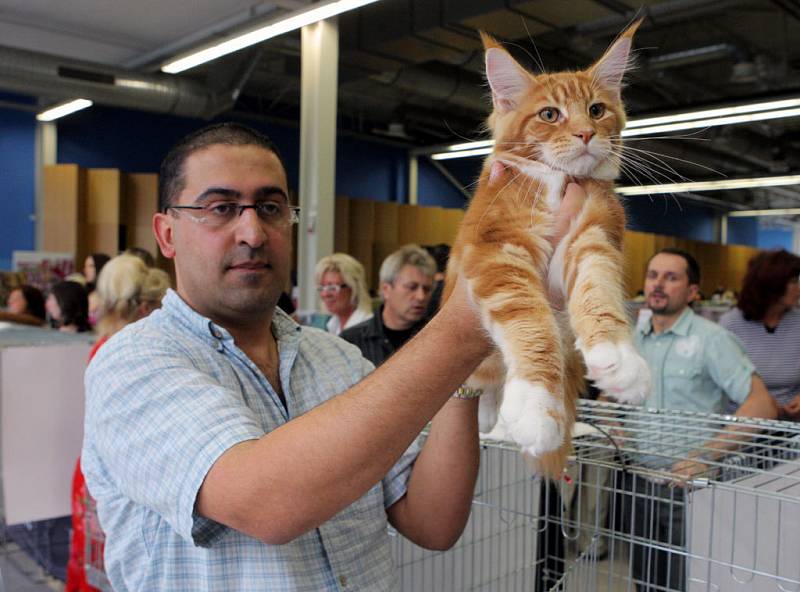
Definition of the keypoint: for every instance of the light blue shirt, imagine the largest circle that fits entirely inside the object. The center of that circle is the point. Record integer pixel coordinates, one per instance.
(693, 365)
(165, 398)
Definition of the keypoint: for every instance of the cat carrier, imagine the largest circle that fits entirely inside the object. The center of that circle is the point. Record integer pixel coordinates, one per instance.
(623, 519)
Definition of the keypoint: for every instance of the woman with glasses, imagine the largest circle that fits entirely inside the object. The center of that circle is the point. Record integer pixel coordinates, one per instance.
(342, 288)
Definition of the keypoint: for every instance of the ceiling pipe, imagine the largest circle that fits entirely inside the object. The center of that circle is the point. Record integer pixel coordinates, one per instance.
(51, 76)
(697, 55)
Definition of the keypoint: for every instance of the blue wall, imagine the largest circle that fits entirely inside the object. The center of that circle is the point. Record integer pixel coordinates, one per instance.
(18, 202)
(775, 238)
(662, 214)
(135, 141)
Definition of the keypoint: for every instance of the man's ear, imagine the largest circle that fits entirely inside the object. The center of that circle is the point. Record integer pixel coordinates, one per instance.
(693, 290)
(385, 287)
(162, 228)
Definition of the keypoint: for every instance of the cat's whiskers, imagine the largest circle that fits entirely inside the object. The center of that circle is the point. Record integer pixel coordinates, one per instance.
(655, 154)
(657, 171)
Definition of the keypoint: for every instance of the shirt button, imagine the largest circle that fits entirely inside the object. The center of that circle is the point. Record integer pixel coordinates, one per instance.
(343, 581)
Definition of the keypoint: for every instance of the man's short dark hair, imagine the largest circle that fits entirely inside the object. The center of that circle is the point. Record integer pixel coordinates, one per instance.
(692, 268)
(171, 180)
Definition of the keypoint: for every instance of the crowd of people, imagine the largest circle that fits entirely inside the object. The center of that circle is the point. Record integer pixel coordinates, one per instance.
(260, 454)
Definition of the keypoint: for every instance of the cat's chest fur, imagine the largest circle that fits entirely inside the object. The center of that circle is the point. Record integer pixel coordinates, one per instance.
(553, 182)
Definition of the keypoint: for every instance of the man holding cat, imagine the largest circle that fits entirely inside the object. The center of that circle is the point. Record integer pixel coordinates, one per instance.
(694, 364)
(215, 443)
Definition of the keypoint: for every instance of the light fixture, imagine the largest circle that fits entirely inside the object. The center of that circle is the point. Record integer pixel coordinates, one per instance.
(709, 113)
(703, 118)
(775, 212)
(294, 20)
(63, 109)
(699, 123)
(462, 153)
(710, 185)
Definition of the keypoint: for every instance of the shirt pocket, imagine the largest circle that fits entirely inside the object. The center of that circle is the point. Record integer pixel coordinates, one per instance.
(682, 379)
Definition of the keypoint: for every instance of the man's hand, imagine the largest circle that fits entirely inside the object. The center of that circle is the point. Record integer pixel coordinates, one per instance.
(792, 409)
(574, 196)
(688, 469)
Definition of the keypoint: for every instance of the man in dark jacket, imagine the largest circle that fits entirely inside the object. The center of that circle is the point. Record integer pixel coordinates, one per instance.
(406, 281)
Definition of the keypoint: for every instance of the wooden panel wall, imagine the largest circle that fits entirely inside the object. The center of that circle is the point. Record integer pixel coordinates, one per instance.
(104, 210)
(64, 210)
(141, 202)
(720, 265)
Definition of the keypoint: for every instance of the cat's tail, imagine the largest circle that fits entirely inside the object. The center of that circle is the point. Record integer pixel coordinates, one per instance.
(550, 464)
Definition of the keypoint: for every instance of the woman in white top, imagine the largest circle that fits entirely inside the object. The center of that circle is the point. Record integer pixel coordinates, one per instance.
(342, 288)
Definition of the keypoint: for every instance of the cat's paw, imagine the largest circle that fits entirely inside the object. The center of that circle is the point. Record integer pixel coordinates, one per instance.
(535, 418)
(618, 370)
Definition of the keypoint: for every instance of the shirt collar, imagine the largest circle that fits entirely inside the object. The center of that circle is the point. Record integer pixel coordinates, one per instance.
(680, 327)
(283, 327)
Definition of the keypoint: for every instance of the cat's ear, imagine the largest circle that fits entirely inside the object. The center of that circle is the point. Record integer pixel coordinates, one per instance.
(506, 77)
(609, 70)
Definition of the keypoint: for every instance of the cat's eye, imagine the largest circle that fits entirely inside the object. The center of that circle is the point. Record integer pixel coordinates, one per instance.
(549, 114)
(597, 110)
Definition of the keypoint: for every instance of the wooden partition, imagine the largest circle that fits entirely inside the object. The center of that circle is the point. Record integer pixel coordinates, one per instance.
(98, 211)
(141, 202)
(720, 265)
(64, 210)
(105, 207)
(372, 230)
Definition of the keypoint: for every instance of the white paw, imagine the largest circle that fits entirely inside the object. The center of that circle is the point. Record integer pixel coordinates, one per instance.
(487, 412)
(535, 418)
(619, 371)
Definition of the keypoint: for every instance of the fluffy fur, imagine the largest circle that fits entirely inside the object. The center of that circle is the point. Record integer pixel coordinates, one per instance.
(542, 305)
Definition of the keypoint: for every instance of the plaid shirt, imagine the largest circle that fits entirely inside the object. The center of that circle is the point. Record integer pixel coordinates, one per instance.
(165, 398)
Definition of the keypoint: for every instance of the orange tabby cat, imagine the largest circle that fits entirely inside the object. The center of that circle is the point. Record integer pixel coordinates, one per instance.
(549, 129)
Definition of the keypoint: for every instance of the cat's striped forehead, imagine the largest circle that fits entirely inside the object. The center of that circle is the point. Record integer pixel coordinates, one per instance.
(566, 87)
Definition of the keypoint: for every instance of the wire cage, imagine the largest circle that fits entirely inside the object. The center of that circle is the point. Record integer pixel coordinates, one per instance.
(652, 500)
(93, 549)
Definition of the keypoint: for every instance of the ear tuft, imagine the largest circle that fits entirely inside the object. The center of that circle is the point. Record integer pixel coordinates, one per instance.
(506, 77)
(489, 41)
(609, 69)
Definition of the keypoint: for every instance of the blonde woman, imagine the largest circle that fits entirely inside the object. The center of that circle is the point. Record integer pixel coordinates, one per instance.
(127, 291)
(342, 288)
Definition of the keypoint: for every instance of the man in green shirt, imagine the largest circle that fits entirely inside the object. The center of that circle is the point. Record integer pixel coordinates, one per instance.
(694, 364)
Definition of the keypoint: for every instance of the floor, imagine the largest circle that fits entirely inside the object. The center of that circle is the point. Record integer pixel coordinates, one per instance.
(20, 573)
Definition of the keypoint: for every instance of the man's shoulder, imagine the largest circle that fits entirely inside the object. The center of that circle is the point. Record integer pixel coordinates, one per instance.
(360, 331)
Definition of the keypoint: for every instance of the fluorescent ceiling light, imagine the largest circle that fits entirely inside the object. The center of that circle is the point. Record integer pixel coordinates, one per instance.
(712, 122)
(708, 113)
(63, 109)
(710, 185)
(775, 212)
(462, 153)
(295, 20)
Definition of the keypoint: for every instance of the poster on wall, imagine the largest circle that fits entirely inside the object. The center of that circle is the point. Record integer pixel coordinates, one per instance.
(42, 268)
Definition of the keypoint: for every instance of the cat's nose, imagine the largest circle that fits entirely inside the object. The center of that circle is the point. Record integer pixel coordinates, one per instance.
(585, 135)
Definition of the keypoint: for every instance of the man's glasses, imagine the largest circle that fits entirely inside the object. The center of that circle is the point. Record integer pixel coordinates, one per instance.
(217, 214)
(331, 288)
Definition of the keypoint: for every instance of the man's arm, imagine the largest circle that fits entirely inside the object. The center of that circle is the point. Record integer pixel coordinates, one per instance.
(758, 404)
(436, 506)
(298, 476)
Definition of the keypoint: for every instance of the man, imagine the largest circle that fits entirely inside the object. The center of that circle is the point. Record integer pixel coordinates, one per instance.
(217, 451)
(406, 280)
(694, 364)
